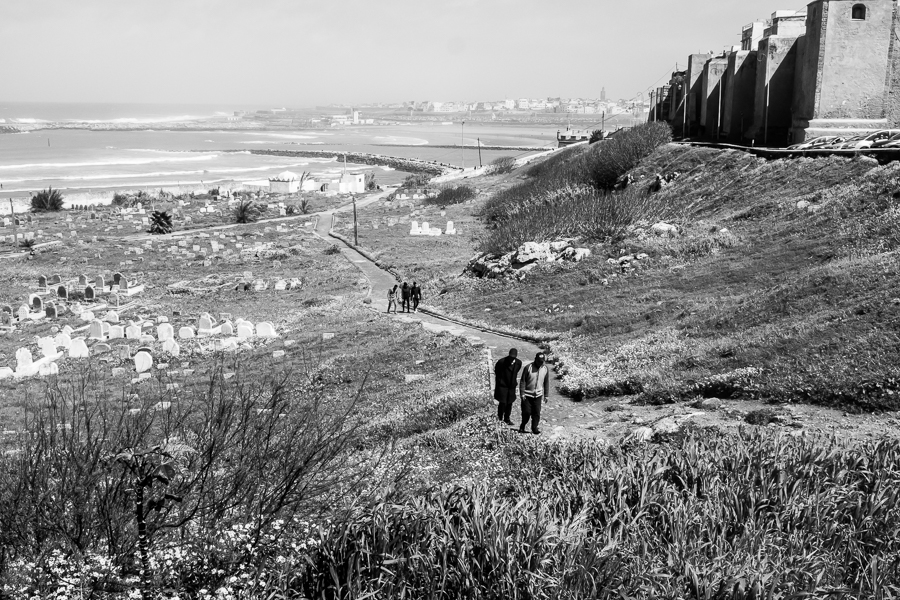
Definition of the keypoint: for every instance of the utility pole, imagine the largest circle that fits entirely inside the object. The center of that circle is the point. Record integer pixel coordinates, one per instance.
(462, 139)
(355, 224)
(12, 212)
(480, 164)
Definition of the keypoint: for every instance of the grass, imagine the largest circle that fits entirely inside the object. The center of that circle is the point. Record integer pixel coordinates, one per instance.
(452, 194)
(700, 515)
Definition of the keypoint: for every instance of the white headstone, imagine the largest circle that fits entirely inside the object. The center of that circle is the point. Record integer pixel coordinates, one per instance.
(205, 322)
(132, 332)
(171, 347)
(111, 317)
(165, 332)
(116, 332)
(95, 331)
(78, 349)
(266, 330)
(186, 333)
(227, 328)
(245, 330)
(63, 340)
(142, 362)
(23, 358)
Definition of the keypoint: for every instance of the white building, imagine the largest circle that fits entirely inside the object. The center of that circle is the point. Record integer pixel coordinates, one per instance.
(352, 183)
(284, 183)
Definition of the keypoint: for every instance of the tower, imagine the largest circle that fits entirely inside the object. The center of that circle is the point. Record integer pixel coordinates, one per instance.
(843, 82)
(602, 94)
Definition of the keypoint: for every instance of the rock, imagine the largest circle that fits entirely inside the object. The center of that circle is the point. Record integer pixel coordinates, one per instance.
(708, 404)
(662, 228)
(533, 251)
(626, 258)
(803, 204)
(559, 246)
(581, 254)
(641, 434)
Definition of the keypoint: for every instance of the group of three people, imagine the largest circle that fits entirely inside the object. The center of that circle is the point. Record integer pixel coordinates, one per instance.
(408, 293)
(533, 387)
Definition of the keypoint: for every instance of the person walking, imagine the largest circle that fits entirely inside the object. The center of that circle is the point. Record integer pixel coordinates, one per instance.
(392, 299)
(533, 388)
(416, 296)
(404, 295)
(505, 376)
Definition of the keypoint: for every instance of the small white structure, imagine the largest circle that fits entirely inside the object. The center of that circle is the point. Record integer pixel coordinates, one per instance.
(284, 183)
(352, 183)
(414, 228)
(451, 228)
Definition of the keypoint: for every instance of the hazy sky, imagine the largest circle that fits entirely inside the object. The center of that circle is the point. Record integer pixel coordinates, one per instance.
(307, 52)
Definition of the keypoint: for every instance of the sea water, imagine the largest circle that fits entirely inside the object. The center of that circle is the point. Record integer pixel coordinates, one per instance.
(90, 165)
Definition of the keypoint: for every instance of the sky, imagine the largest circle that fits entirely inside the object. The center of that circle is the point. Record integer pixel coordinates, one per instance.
(313, 52)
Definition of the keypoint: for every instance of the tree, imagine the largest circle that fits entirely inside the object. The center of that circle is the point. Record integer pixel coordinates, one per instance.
(160, 223)
(503, 165)
(47, 200)
(247, 212)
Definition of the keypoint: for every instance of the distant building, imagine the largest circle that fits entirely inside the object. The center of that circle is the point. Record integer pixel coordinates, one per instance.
(284, 183)
(829, 70)
(352, 183)
(571, 136)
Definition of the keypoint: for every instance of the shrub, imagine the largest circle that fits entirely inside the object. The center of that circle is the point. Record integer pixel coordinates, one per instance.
(573, 211)
(416, 180)
(370, 181)
(120, 199)
(604, 163)
(596, 136)
(160, 223)
(452, 195)
(247, 212)
(47, 200)
(503, 165)
(332, 249)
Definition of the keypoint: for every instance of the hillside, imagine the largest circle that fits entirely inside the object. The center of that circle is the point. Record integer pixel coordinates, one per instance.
(781, 282)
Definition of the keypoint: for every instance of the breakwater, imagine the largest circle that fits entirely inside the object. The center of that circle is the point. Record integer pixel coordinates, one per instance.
(410, 165)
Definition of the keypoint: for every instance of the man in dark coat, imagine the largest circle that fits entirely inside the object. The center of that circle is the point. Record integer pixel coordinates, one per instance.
(506, 373)
(404, 297)
(416, 296)
(534, 388)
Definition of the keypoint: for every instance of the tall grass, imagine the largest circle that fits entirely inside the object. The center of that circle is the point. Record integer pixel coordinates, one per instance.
(452, 194)
(701, 515)
(574, 211)
(570, 194)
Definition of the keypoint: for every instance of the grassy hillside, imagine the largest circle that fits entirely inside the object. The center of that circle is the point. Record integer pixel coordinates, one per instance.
(781, 283)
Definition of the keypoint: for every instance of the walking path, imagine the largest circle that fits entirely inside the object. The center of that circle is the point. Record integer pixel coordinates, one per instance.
(498, 345)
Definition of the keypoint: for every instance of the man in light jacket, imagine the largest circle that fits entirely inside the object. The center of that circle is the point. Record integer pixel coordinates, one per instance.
(506, 373)
(533, 388)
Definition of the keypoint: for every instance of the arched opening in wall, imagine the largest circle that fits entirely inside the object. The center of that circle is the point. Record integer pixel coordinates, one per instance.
(859, 12)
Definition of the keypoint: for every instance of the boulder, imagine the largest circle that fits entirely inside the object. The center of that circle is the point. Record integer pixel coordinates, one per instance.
(662, 228)
(803, 204)
(581, 254)
(534, 251)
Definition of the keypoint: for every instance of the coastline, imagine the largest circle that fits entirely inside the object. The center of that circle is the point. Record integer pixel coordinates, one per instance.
(409, 165)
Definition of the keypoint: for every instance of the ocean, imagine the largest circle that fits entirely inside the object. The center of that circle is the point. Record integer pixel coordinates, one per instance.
(90, 165)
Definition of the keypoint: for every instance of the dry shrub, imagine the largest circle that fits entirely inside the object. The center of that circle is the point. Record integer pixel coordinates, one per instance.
(503, 165)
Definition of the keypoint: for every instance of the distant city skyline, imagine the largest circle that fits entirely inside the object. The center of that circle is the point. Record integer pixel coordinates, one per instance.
(283, 52)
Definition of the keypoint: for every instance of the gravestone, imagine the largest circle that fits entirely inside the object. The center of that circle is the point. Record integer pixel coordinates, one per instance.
(171, 347)
(78, 349)
(100, 283)
(95, 331)
(23, 313)
(266, 330)
(205, 322)
(48, 370)
(89, 293)
(42, 282)
(37, 304)
(227, 328)
(23, 359)
(62, 292)
(63, 340)
(164, 332)
(132, 331)
(50, 311)
(111, 317)
(67, 330)
(55, 279)
(47, 346)
(5, 319)
(101, 348)
(113, 300)
(186, 333)
(280, 285)
(124, 351)
(116, 332)
(117, 277)
(82, 280)
(245, 330)
(451, 229)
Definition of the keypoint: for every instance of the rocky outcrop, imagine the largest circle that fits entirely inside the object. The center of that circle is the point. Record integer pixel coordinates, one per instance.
(516, 264)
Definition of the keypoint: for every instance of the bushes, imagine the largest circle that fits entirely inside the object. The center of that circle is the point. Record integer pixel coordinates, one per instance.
(572, 211)
(247, 212)
(153, 481)
(503, 165)
(452, 195)
(47, 200)
(604, 163)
